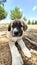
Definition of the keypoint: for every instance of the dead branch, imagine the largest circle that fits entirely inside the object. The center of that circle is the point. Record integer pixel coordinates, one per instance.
(32, 42)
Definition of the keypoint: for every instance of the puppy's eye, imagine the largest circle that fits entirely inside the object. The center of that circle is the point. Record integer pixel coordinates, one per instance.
(21, 25)
(12, 25)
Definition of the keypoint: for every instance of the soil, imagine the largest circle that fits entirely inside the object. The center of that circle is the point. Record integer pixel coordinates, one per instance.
(5, 54)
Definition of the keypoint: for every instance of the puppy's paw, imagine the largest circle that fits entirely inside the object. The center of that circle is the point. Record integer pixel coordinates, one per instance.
(26, 52)
(16, 57)
(24, 49)
(17, 61)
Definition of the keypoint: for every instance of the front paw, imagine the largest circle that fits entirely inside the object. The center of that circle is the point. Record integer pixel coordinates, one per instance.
(17, 61)
(24, 49)
(27, 52)
(16, 57)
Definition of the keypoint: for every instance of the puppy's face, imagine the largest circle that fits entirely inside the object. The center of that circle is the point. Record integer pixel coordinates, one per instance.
(17, 27)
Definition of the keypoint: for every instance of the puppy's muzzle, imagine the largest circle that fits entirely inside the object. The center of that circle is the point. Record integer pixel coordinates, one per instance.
(17, 32)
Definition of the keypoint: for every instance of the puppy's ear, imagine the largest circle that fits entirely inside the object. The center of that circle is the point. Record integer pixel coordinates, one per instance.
(9, 27)
(24, 26)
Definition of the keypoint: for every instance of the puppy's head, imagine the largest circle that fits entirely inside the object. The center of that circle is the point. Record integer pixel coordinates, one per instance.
(17, 27)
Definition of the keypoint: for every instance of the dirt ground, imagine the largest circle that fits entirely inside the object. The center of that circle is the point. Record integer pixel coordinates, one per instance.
(5, 54)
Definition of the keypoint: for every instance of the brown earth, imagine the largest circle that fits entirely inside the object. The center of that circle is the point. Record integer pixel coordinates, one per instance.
(5, 55)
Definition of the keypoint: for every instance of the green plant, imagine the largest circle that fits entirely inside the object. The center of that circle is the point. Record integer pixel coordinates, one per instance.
(3, 13)
(29, 22)
(24, 18)
(16, 14)
(2, 1)
(35, 21)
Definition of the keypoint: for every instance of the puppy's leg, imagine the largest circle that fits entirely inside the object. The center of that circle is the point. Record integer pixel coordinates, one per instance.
(24, 48)
(16, 57)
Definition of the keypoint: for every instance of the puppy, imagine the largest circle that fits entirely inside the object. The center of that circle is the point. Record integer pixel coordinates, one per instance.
(16, 30)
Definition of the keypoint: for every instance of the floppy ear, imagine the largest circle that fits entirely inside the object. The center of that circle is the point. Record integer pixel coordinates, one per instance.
(24, 26)
(9, 27)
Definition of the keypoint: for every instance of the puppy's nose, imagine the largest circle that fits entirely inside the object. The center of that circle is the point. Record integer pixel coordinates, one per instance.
(16, 31)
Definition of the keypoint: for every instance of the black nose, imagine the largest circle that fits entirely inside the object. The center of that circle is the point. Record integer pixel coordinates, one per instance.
(16, 33)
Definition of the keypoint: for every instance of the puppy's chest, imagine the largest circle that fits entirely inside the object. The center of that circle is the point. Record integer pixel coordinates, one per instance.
(13, 49)
(11, 44)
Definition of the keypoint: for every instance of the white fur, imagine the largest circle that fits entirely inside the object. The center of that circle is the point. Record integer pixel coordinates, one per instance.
(16, 57)
(15, 29)
(25, 50)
